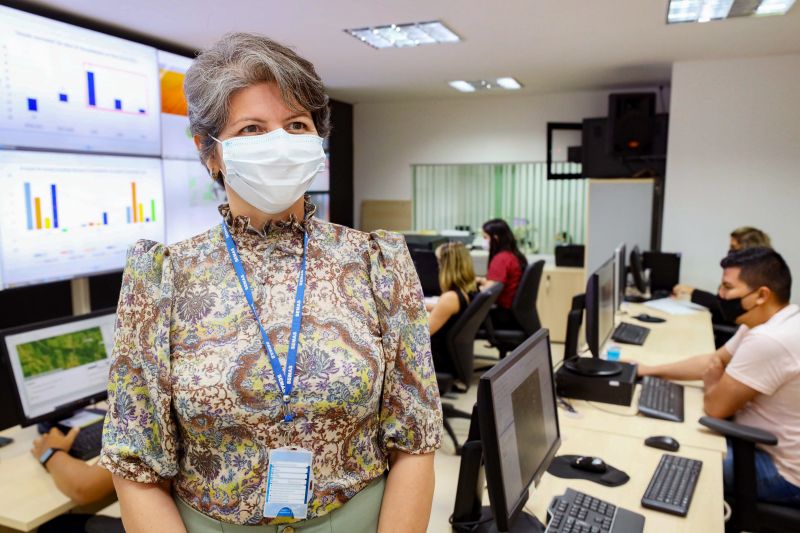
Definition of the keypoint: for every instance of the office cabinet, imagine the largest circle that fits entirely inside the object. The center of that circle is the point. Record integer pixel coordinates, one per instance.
(558, 286)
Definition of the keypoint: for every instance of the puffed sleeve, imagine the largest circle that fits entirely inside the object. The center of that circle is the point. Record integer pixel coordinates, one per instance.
(139, 437)
(411, 412)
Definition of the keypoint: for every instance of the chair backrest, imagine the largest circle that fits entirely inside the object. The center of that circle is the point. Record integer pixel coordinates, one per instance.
(524, 305)
(461, 337)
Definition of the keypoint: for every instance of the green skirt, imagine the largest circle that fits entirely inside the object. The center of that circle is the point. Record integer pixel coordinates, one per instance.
(359, 515)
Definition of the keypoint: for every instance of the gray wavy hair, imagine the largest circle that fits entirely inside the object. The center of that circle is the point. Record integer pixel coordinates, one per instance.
(239, 60)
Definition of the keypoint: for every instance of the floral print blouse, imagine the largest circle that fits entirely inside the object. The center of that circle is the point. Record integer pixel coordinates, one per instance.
(192, 397)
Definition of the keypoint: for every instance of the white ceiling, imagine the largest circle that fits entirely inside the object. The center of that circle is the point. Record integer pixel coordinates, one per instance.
(549, 45)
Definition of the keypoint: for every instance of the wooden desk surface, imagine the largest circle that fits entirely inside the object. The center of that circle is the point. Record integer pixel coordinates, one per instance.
(679, 337)
(624, 420)
(28, 495)
(639, 462)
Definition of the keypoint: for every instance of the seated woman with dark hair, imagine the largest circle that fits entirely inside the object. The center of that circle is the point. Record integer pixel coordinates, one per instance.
(506, 265)
(458, 284)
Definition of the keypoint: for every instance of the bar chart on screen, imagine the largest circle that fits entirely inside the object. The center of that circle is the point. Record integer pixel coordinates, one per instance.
(68, 215)
(68, 88)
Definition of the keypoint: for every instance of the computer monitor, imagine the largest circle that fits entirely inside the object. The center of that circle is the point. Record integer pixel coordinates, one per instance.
(665, 271)
(519, 425)
(416, 241)
(599, 323)
(621, 275)
(637, 270)
(519, 436)
(427, 267)
(59, 366)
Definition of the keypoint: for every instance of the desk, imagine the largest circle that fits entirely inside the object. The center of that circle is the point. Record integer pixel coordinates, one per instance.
(639, 462)
(28, 495)
(679, 337)
(623, 420)
(616, 433)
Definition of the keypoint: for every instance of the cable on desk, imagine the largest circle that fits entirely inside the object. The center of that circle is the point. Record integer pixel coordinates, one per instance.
(610, 411)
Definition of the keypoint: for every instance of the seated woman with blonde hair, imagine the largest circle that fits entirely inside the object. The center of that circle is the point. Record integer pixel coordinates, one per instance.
(458, 283)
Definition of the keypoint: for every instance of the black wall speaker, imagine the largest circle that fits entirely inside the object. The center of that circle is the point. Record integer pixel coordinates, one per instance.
(631, 122)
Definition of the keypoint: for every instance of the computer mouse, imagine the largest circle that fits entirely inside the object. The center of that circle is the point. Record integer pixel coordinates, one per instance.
(644, 317)
(589, 464)
(663, 442)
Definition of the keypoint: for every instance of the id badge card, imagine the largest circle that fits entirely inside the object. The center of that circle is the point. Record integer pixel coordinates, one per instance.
(288, 483)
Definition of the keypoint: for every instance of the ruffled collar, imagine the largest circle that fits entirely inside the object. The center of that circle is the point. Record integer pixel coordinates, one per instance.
(240, 225)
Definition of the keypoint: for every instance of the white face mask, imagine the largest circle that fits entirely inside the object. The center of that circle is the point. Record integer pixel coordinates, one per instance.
(272, 171)
(486, 243)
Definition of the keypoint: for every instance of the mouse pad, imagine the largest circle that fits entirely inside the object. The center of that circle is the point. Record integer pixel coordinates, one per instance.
(561, 467)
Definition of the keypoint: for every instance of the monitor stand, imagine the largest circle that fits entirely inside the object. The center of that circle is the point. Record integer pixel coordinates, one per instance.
(593, 366)
(525, 523)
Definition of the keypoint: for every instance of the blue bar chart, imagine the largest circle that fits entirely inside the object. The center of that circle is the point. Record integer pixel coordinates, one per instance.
(74, 211)
(82, 91)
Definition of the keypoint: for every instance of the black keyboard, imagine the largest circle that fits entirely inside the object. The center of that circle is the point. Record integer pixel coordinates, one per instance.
(661, 399)
(630, 334)
(672, 486)
(89, 441)
(576, 512)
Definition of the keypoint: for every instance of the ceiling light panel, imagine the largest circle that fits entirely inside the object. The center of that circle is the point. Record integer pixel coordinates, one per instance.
(680, 11)
(507, 83)
(405, 35)
(462, 86)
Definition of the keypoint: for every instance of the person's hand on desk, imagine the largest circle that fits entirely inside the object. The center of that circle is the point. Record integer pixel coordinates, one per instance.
(79, 481)
(682, 291)
(54, 439)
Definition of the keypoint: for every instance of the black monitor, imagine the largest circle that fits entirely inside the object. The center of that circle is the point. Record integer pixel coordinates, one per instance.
(9, 414)
(427, 267)
(59, 366)
(416, 241)
(599, 322)
(519, 436)
(665, 271)
(637, 270)
(621, 270)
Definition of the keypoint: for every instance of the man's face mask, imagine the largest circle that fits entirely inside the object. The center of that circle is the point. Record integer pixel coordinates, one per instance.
(732, 308)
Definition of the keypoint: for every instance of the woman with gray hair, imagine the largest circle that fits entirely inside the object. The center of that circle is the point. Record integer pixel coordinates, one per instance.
(270, 370)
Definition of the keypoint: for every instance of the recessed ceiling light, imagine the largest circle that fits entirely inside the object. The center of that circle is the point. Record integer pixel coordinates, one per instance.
(461, 85)
(507, 83)
(680, 11)
(405, 35)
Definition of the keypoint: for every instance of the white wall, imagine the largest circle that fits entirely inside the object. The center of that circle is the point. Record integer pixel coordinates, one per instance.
(390, 137)
(733, 160)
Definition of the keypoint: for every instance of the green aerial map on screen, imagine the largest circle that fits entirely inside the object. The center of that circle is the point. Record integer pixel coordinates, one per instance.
(61, 352)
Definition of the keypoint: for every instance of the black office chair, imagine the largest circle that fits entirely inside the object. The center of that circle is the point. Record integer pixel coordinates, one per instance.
(460, 345)
(749, 514)
(523, 308)
(723, 333)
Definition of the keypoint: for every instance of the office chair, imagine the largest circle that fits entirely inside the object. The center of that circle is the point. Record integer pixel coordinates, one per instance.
(460, 344)
(524, 310)
(749, 514)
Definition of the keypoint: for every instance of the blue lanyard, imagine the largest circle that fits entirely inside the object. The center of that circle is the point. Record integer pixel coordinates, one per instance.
(285, 382)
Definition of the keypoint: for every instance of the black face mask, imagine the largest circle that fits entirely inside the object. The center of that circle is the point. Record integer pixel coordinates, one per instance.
(732, 309)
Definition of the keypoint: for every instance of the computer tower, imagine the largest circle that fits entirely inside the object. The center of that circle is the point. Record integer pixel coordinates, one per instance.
(570, 255)
(616, 389)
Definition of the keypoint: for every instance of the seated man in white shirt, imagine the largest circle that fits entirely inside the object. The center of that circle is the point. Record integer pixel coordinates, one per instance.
(756, 375)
